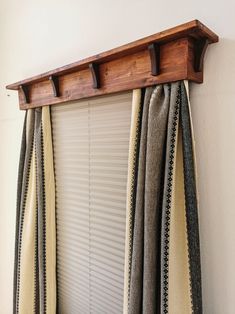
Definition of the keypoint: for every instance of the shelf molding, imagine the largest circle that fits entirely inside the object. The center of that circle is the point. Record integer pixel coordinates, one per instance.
(168, 56)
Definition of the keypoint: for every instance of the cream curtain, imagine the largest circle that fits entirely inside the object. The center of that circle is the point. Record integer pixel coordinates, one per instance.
(162, 266)
(35, 249)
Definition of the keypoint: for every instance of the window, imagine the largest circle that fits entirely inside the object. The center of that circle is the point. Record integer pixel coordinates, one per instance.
(91, 140)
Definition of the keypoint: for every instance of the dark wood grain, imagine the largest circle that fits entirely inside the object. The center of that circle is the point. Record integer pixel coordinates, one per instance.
(124, 68)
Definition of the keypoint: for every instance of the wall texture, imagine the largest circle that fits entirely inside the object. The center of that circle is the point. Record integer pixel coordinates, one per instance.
(36, 36)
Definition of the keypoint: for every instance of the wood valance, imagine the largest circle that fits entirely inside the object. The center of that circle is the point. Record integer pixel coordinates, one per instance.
(171, 55)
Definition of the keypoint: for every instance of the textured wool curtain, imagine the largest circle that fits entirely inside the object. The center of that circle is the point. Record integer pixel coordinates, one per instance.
(162, 266)
(35, 249)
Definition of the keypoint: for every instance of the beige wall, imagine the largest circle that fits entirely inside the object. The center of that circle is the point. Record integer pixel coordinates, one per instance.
(36, 36)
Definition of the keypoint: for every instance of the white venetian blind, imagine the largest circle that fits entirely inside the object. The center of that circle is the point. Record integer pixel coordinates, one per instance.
(91, 140)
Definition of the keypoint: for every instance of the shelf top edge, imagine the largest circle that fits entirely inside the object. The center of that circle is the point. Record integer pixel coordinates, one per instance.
(194, 29)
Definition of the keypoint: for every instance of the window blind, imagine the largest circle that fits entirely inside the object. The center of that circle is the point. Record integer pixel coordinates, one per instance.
(91, 140)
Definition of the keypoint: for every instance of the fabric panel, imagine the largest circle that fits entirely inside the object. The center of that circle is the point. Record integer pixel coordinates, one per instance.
(27, 245)
(131, 187)
(144, 286)
(175, 288)
(165, 259)
(40, 212)
(50, 227)
(179, 277)
(21, 200)
(18, 206)
(31, 263)
(191, 204)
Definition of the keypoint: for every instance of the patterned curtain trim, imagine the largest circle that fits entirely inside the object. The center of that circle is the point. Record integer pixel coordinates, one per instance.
(35, 258)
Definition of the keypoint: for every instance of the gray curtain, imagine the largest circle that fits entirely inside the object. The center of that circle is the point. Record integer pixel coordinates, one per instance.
(163, 268)
(35, 248)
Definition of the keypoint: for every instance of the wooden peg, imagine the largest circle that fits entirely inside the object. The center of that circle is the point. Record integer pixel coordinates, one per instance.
(94, 67)
(25, 92)
(200, 47)
(55, 85)
(154, 52)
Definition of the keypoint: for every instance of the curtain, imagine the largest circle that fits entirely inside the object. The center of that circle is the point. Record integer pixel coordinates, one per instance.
(162, 265)
(35, 248)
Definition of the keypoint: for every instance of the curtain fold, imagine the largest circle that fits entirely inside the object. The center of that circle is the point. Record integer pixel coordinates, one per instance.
(162, 271)
(35, 248)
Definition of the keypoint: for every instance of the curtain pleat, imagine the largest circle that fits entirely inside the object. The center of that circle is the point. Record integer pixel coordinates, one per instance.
(162, 273)
(191, 204)
(35, 249)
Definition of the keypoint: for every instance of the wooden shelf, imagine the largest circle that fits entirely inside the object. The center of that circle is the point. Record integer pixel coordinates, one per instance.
(171, 55)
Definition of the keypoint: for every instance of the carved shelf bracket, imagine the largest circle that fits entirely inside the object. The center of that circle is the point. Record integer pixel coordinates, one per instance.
(55, 85)
(94, 67)
(154, 52)
(200, 47)
(25, 92)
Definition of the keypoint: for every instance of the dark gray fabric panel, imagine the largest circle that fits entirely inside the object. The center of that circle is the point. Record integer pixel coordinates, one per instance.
(191, 205)
(41, 210)
(155, 160)
(136, 282)
(145, 274)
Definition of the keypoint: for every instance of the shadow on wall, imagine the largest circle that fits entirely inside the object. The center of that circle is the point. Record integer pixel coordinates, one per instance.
(213, 107)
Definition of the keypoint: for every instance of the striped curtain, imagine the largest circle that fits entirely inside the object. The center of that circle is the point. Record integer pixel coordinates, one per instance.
(35, 249)
(162, 265)
(162, 253)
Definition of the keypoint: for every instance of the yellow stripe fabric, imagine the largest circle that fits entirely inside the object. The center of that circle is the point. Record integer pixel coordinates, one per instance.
(27, 263)
(136, 104)
(50, 212)
(179, 281)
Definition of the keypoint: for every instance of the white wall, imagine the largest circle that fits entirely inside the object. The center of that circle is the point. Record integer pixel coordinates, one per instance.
(36, 36)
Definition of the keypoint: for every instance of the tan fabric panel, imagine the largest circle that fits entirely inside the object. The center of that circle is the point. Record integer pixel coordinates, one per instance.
(136, 104)
(50, 212)
(179, 283)
(27, 265)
